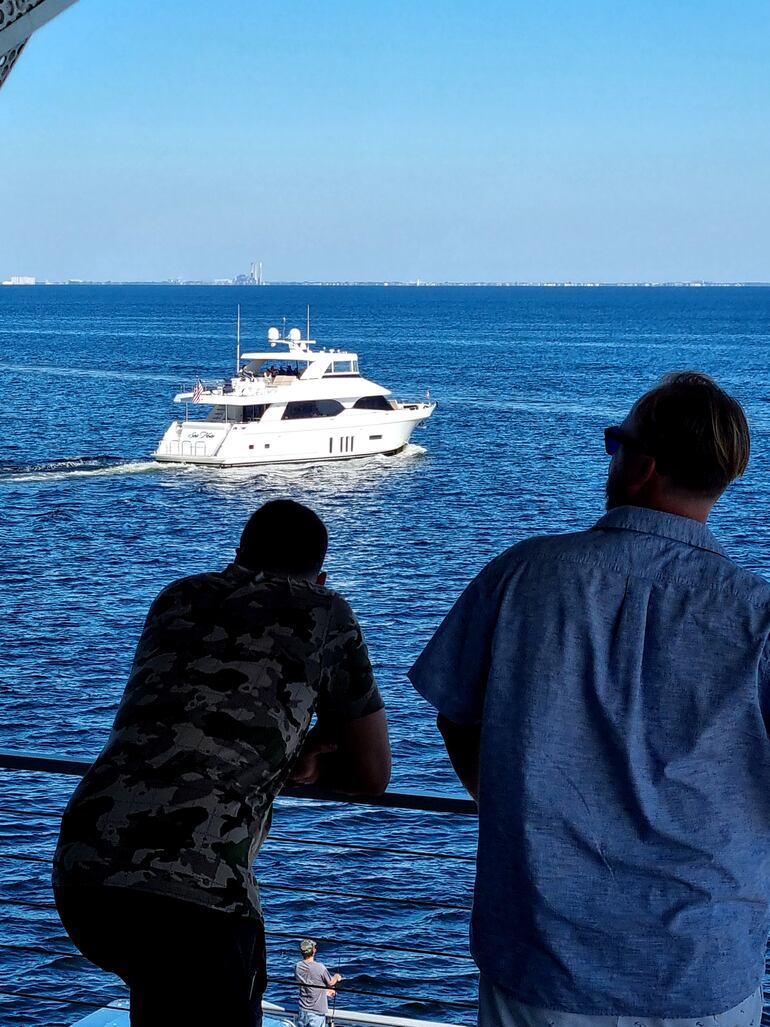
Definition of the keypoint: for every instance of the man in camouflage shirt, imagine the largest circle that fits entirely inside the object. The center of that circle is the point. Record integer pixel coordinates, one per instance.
(153, 870)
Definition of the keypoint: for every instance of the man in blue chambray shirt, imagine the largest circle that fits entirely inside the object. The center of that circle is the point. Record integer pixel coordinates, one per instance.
(604, 697)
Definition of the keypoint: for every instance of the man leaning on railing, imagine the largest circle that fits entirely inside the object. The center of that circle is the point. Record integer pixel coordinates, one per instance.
(605, 696)
(153, 870)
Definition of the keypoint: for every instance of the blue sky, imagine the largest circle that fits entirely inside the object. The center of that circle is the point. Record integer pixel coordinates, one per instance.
(385, 139)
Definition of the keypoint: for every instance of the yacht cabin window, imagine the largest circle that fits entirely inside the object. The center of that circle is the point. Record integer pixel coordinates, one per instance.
(312, 408)
(238, 414)
(254, 413)
(372, 403)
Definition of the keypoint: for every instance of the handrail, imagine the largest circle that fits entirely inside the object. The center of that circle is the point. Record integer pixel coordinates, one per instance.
(57, 764)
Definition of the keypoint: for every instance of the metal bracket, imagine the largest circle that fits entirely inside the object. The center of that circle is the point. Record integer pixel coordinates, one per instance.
(18, 20)
(8, 59)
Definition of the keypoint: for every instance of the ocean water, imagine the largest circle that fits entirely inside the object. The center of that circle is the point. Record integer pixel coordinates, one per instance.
(93, 528)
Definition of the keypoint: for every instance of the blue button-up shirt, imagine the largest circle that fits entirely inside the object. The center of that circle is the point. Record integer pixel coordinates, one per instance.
(621, 678)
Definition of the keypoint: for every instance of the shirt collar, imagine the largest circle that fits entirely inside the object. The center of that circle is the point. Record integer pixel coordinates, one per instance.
(238, 571)
(665, 525)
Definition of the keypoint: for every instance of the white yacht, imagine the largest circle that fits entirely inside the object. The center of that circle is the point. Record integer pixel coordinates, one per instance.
(290, 403)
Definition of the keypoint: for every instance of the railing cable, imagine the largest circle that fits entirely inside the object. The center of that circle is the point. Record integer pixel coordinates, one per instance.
(297, 840)
(365, 896)
(41, 950)
(385, 994)
(428, 903)
(272, 886)
(23, 857)
(26, 903)
(284, 936)
(411, 950)
(59, 998)
(29, 812)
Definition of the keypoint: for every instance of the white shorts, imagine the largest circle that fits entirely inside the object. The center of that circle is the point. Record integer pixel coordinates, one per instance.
(499, 1009)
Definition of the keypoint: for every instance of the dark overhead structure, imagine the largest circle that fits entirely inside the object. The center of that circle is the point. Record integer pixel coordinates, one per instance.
(18, 20)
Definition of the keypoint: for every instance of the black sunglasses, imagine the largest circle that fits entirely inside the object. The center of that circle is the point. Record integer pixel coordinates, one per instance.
(615, 437)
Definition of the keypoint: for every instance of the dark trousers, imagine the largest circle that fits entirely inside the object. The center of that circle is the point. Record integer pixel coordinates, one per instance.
(184, 964)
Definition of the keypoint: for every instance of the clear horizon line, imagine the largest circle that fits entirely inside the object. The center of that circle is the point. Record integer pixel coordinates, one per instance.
(397, 283)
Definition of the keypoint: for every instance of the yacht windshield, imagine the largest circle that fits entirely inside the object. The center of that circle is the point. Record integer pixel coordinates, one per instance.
(292, 369)
(342, 367)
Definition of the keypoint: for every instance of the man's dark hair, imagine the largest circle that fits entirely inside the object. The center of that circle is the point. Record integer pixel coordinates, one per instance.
(696, 432)
(284, 537)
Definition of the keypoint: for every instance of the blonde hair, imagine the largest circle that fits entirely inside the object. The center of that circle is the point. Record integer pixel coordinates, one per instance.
(696, 432)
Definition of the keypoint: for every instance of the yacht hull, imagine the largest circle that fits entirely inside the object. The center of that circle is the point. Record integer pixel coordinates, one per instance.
(346, 437)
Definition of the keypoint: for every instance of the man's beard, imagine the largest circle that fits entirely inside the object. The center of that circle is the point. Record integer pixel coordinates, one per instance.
(615, 492)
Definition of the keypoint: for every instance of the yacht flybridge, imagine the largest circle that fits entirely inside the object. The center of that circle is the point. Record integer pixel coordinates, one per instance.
(290, 403)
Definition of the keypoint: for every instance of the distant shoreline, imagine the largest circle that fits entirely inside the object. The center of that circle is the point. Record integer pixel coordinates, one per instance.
(408, 285)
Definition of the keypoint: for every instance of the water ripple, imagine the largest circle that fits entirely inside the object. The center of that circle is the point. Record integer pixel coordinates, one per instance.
(94, 528)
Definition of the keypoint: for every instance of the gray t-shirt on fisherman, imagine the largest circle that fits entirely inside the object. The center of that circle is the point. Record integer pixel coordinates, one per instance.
(313, 979)
(229, 670)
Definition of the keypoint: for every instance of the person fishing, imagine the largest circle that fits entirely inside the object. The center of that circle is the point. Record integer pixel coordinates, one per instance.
(316, 984)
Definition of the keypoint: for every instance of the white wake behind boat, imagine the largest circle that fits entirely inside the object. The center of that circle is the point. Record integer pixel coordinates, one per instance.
(290, 403)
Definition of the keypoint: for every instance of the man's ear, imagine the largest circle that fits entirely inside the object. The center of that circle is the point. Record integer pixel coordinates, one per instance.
(643, 472)
(321, 579)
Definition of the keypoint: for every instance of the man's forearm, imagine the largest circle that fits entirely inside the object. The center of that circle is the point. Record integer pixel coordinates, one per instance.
(360, 762)
(335, 774)
(340, 773)
(463, 746)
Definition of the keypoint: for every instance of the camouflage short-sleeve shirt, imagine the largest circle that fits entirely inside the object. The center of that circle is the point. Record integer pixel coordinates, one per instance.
(228, 673)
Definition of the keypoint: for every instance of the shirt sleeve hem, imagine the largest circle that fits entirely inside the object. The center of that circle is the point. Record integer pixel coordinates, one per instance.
(441, 701)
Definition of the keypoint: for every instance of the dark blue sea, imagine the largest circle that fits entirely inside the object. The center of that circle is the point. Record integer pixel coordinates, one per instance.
(92, 529)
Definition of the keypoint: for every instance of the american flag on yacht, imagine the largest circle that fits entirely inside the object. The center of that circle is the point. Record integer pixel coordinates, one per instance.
(197, 391)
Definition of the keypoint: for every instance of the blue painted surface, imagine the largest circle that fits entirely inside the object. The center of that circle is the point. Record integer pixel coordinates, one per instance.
(104, 1018)
(119, 1018)
(93, 529)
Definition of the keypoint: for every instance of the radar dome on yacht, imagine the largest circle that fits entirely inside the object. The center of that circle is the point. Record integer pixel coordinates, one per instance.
(273, 334)
(295, 334)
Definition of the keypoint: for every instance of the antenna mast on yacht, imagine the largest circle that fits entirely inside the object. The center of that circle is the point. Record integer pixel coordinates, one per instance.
(308, 323)
(238, 340)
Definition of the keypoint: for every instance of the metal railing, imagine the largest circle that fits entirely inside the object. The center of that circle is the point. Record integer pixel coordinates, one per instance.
(316, 846)
(390, 800)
